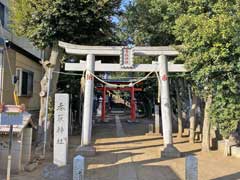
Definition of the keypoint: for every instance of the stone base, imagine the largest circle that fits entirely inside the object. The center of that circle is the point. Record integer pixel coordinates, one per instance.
(130, 121)
(149, 134)
(117, 112)
(235, 151)
(86, 151)
(152, 134)
(170, 152)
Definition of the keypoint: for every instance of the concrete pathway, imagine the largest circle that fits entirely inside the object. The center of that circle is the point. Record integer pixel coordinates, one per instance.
(126, 169)
(119, 129)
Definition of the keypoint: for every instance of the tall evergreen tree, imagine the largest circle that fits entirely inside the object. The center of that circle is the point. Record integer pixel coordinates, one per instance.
(209, 33)
(45, 22)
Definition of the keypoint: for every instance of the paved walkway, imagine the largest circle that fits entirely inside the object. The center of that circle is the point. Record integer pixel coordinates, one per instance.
(126, 166)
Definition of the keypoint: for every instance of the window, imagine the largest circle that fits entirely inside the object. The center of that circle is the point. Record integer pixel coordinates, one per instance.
(2, 13)
(25, 82)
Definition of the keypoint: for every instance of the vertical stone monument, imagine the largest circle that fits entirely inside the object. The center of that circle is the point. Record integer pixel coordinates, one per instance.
(191, 168)
(78, 168)
(61, 116)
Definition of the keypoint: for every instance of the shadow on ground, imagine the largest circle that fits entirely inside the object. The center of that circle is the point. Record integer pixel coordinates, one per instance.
(121, 169)
(234, 176)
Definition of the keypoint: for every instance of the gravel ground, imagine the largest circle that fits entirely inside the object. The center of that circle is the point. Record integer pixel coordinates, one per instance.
(136, 156)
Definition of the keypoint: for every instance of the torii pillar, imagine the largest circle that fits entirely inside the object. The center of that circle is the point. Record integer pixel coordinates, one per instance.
(169, 150)
(133, 105)
(86, 149)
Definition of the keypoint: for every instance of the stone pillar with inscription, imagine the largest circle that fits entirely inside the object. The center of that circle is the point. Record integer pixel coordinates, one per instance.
(169, 150)
(86, 149)
(61, 116)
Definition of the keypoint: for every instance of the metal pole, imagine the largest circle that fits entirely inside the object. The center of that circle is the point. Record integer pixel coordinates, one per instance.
(88, 100)
(1, 74)
(70, 114)
(46, 111)
(9, 152)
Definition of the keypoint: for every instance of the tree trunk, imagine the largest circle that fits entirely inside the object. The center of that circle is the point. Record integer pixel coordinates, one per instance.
(148, 107)
(206, 126)
(179, 110)
(174, 121)
(192, 120)
(49, 67)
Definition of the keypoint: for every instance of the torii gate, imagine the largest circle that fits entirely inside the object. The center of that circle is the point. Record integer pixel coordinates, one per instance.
(132, 91)
(126, 65)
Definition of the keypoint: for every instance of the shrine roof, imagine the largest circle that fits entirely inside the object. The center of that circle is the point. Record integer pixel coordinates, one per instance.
(4, 129)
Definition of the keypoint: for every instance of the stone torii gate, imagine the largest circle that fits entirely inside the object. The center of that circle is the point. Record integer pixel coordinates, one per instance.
(126, 65)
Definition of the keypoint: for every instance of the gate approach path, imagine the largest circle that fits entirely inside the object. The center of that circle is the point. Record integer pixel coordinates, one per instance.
(124, 152)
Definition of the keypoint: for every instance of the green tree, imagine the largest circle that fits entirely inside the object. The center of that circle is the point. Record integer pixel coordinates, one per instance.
(45, 22)
(151, 22)
(210, 34)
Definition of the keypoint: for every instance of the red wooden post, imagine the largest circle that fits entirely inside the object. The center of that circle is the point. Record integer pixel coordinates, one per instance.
(133, 108)
(104, 103)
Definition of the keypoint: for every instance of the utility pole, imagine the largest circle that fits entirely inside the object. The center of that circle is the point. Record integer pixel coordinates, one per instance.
(2, 45)
(46, 111)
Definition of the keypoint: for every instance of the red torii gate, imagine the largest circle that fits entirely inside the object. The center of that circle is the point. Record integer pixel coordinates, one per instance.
(132, 90)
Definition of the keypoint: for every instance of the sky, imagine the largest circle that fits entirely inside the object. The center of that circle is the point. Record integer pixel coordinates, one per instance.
(124, 2)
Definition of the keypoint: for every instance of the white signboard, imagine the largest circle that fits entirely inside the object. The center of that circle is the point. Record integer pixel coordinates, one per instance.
(61, 115)
(126, 58)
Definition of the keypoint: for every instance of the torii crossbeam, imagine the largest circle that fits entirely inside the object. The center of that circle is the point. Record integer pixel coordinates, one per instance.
(126, 65)
(108, 67)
